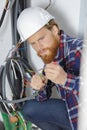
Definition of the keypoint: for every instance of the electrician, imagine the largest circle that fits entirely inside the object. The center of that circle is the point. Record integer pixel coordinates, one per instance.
(61, 54)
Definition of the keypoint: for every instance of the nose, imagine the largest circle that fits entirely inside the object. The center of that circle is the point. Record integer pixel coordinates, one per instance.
(39, 46)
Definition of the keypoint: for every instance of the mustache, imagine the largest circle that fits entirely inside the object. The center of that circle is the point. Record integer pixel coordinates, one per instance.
(42, 50)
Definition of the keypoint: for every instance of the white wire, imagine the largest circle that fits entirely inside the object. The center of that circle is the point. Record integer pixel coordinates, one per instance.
(21, 76)
(13, 69)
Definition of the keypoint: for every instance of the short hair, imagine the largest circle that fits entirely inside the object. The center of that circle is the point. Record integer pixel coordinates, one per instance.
(50, 24)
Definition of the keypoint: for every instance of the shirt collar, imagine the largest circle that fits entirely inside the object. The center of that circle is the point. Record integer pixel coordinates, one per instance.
(62, 40)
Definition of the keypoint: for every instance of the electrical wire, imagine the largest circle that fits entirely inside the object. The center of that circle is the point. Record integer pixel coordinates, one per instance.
(22, 77)
(4, 12)
(21, 121)
(8, 5)
(15, 70)
(50, 1)
(18, 73)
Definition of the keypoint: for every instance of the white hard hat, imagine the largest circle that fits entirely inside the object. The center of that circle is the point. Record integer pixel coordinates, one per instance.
(31, 20)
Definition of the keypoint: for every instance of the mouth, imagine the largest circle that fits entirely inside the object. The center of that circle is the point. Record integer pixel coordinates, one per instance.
(42, 52)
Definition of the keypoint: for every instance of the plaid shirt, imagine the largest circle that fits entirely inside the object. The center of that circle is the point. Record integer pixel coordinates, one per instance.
(68, 56)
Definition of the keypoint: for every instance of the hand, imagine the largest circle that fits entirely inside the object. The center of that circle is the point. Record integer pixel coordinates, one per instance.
(55, 73)
(38, 82)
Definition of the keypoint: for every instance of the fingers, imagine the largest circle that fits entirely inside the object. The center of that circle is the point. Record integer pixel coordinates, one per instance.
(51, 69)
(38, 82)
(55, 73)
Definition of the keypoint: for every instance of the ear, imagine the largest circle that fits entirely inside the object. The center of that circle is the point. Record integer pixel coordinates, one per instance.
(55, 30)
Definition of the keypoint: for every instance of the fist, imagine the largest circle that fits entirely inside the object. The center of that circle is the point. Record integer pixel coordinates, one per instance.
(38, 82)
(55, 73)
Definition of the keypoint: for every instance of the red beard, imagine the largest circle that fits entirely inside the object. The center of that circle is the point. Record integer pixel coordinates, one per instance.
(50, 55)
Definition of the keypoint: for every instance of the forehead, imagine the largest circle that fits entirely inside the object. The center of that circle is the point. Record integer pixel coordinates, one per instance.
(43, 31)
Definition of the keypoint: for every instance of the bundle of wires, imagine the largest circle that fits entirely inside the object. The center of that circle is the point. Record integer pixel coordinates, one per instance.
(17, 72)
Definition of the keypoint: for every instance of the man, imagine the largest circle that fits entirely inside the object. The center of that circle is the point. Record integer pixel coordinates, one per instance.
(61, 55)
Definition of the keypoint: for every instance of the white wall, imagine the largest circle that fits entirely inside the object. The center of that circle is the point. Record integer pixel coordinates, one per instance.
(66, 13)
(5, 33)
(82, 124)
(83, 18)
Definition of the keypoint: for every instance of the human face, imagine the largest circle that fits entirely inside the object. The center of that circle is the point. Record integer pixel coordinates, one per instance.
(45, 42)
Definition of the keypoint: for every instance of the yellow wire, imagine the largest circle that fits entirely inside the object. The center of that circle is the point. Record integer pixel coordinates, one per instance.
(19, 118)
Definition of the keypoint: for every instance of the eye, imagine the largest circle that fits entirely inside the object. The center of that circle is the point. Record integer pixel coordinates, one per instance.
(32, 43)
(41, 38)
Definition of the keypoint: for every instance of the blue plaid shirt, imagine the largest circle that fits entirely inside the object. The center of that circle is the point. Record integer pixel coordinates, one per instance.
(68, 56)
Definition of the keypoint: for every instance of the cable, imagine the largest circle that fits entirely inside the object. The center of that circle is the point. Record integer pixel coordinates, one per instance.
(16, 68)
(21, 121)
(4, 12)
(15, 71)
(8, 5)
(50, 2)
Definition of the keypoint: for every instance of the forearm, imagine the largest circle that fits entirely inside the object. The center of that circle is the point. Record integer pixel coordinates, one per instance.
(72, 83)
